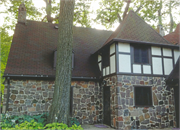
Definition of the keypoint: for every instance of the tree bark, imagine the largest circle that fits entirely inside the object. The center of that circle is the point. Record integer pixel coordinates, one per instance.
(126, 9)
(171, 18)
(160, 14)
(48, 10)
(59, 111)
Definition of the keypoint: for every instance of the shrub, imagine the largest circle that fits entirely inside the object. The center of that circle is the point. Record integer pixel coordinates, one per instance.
(11, 121)
(35, 122)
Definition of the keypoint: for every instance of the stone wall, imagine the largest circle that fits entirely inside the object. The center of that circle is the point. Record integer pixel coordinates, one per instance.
(161, 115)
(87, 105)
(33, 97)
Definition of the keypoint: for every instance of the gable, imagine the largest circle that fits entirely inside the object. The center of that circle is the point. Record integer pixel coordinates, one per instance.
(134, 28)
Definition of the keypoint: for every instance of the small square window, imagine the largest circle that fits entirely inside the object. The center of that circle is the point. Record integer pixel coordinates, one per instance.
(141, 55)
(143, 95)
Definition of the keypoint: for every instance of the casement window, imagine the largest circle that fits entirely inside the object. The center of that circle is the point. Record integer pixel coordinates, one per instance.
(141, 55)
(55, 59)
(143, 96)
(105, 58)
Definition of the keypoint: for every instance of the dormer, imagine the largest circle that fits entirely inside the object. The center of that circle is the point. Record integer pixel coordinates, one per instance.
(22, 13)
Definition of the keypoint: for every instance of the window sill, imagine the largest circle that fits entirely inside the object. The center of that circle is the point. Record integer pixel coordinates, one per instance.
(143, 106)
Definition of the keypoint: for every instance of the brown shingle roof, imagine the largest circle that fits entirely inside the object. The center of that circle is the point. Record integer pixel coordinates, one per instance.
(33, 44)
(174, 36)
(134, 28)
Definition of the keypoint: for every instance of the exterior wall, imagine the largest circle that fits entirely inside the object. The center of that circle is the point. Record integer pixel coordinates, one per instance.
(161, 115)
(33, 97)
(121, 56)
(87, 105)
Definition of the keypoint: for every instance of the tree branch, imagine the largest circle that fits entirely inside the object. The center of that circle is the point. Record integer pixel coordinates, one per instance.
(138, 9)
(126, 9)
(119, 18)
(44, 18)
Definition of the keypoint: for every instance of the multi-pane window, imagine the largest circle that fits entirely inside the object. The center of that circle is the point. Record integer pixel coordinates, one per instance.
(141, 55)
(143, 95)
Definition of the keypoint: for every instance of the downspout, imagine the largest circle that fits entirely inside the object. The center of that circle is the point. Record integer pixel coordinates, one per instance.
(8, 89)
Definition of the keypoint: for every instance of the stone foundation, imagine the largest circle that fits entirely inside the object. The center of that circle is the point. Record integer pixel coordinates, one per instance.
(33, 97)
(161, 115)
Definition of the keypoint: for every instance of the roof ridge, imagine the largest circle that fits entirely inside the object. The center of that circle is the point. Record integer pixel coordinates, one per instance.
(73, 26)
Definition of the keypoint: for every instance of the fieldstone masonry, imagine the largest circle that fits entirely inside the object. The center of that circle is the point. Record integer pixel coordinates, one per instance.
(35, 97)
(87, 105)
(161, 115)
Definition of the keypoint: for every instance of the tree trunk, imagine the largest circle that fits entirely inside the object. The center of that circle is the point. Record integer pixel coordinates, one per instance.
(160, 14)
(126, 9)
(171, 18)
(59, 111)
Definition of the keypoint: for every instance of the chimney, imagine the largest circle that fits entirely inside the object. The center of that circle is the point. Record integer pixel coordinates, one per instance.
(160, 30)
(22, 13)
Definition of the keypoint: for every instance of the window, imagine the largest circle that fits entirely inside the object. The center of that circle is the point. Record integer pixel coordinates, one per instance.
(105, 58)
(141, 55)
(143, 95)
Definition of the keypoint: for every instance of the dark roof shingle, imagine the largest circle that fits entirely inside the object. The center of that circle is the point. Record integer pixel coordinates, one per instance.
(174, 36)
(135, 28)
(33, 44)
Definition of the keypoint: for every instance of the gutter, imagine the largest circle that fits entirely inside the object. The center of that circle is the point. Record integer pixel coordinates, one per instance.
(47, 77)
(8, 90)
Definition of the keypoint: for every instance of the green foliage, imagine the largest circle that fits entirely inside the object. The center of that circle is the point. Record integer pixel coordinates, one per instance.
(11, 121)
(74, 121)
(33, 122)
(32, 125)
(62, 126)
(5, 41)
(111, 11)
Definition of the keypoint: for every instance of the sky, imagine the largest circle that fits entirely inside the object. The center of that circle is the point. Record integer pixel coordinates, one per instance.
(94, 6)
(41, 3)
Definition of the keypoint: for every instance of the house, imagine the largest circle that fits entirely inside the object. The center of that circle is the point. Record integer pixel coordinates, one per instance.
(173, 79)
(118, 78)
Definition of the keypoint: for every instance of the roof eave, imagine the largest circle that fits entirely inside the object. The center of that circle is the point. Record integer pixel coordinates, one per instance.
(12, 76)
(137, 42)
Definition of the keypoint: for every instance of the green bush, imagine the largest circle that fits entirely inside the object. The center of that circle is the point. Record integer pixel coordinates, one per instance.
(10, 121)
(32, 125)
(35, 122)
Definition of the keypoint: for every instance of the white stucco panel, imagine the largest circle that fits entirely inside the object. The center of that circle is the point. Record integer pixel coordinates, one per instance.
(112, 64)
(156, 50)
(124, 63)
(107, 70)
(176, 55)
(168, 65)
(157, 65)
(167, 52)
(124, 47)
(136, 68)
(99, 66)
(112, 49)
(146, 69)
(104, 71)
(99, 58)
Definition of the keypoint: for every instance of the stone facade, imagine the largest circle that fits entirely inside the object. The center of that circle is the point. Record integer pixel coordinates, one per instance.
(161, 115)
(87, 105)
(33, 97)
